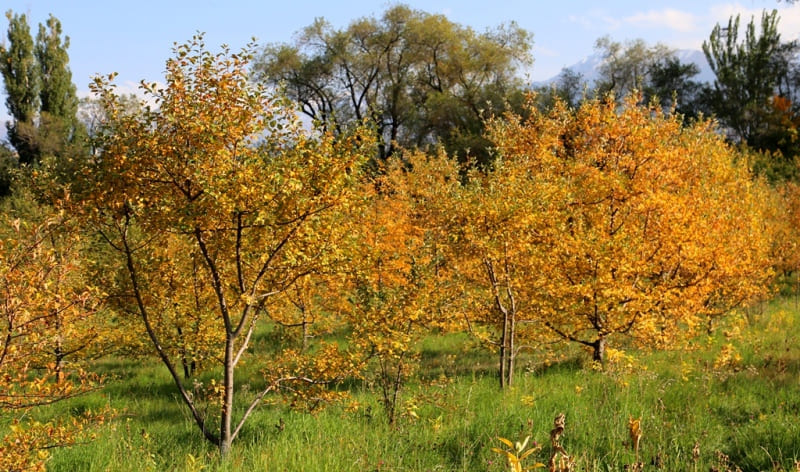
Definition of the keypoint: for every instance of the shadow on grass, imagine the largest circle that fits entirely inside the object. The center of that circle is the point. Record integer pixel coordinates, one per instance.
(782, 369)
(141, 388)
(765, 446)
(454, 363)
(462, 451)
(570, 365)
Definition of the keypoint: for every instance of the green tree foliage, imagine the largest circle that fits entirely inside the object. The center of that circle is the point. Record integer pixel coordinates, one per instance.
(41, 96)
(670, 82)
(59, 102)
(653, 70)
(753, 82)
(419, 78)
(626, 66)
(8, 161)
(58, 92)
(21, 77)
(570, 88)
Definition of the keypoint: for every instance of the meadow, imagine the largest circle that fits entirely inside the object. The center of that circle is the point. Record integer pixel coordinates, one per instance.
(730, 401)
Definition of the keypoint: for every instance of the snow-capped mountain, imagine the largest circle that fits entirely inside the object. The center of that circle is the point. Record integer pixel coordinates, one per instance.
(589, 67)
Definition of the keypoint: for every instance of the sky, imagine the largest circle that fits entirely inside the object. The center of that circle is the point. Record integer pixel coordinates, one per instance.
(135, 38)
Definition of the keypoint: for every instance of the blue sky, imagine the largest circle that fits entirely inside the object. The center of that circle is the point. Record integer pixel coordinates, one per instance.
(134, 38)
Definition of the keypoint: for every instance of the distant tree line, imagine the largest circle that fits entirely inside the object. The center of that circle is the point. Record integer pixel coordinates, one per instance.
(422, 81)
(754, 95)
(418, 79)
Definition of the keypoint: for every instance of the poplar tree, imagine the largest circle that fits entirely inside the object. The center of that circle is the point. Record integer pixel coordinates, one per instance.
(753, 81)
(57, 95)
(21, 76)
(42, 99)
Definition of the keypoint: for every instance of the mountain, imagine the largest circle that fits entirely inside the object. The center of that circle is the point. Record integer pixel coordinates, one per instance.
(589, 67)
(698, 58)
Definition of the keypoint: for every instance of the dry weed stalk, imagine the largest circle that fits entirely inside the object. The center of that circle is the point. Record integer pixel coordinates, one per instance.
(635, 432)
(724, 464)
(560, 461)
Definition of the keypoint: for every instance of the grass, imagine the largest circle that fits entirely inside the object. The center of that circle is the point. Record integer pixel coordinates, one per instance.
(731, 401)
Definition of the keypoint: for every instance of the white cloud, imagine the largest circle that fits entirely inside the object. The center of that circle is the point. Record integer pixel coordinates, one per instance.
(788, 26)
(596, 20)
(671, 19)
(681, 29)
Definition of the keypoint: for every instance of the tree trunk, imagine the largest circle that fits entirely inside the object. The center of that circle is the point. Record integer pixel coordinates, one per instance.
(59, 351)
(511, 355)
(227, 400)
(599, 354)
(188, 367)
(304, 345)
(504, 353)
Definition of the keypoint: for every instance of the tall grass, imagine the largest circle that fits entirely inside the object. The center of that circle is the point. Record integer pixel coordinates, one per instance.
(732, 400)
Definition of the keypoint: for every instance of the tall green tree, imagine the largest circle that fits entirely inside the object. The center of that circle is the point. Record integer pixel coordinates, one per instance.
(21, 76)
(57, 96)
(753, 77)
(670, 82)
(419, 79)
(41, 99)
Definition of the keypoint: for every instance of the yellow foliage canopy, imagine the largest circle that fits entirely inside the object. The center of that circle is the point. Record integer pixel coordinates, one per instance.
(615, 219)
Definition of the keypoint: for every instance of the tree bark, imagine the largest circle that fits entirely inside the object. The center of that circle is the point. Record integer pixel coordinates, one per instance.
(599, 346)
(227, 399)
(512, 329)
(504, 352)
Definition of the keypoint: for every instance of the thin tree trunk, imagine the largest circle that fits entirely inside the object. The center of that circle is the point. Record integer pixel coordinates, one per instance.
(504, 352)
(227, 399)
(511, 349)
(304, 345)
(59, 351)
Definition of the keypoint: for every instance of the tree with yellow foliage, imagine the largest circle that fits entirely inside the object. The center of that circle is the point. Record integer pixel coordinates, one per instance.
(48, 320)
(644, 228)
(215, 200)
(396, 284)
(499, 225)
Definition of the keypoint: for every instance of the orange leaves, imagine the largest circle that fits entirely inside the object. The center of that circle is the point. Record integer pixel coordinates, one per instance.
(222, 164)
(786, 221)
(397, 281)
(47, 310)
(637, 217)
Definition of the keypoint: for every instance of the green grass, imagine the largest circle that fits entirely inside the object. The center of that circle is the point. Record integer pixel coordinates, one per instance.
(748, 411)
